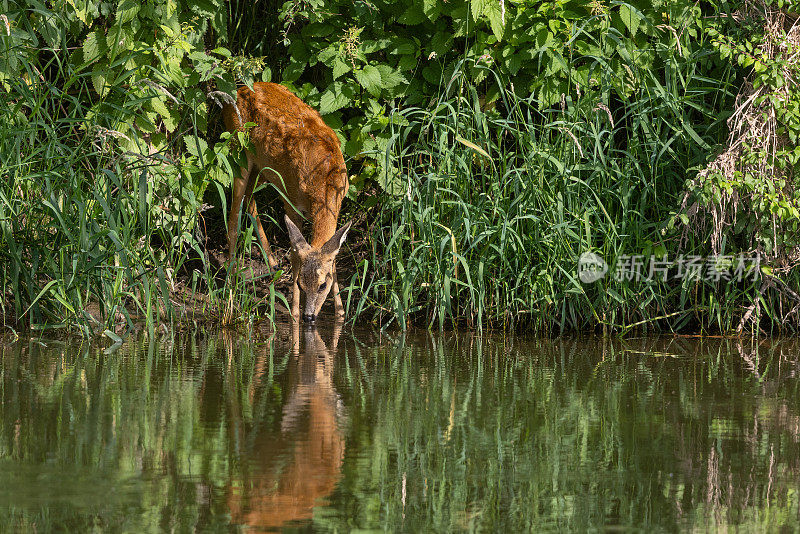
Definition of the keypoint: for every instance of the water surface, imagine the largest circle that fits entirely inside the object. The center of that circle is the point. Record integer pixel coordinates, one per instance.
(331, 429)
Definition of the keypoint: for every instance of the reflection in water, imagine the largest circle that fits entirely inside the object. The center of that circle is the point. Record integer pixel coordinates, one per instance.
(287, 471)
(441, 433)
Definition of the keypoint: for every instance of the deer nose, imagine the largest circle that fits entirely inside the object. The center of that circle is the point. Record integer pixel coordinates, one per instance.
(309, 318)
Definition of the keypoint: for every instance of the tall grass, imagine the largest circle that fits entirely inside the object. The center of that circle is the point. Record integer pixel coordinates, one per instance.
(93, 238)
(494, 207)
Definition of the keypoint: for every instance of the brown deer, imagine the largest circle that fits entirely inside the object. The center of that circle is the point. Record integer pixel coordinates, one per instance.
(300, 155)
(295, 468)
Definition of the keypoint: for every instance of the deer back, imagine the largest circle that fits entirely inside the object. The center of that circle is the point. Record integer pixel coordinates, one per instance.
(291, 138)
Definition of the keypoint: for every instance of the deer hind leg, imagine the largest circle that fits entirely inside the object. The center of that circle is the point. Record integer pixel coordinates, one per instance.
(239, 186)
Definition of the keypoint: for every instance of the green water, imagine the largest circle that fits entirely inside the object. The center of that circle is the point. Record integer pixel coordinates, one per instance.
(342, 430)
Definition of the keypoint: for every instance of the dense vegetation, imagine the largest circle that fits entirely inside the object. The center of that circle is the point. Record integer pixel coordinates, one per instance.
(490, 145)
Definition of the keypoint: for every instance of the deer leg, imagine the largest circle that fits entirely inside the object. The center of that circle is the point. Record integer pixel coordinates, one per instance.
(295, 297)
(298, 221)
(239, 186)
(262, 237)
(337, 298)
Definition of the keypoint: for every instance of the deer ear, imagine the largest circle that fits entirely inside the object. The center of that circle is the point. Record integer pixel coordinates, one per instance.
(335, 243)
(296, 236)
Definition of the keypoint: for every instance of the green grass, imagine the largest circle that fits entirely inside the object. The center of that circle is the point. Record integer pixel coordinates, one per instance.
(489, 207)
(94, 239)
(493, 209)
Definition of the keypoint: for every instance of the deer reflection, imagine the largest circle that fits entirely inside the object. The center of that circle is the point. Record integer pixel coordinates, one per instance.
(294, 469)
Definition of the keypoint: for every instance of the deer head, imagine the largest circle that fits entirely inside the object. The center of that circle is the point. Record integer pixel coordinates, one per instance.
(314, 268)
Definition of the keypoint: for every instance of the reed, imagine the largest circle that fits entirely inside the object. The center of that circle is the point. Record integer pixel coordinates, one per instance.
(490, 203)
(94, 239)
(494, 207)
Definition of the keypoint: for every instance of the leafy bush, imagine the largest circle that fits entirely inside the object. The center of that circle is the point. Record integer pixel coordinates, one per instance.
(505, 138)
(366, 59)
(748, 190)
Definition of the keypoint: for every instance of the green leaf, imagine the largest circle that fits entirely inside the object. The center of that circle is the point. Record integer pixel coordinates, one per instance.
(412, 16)
(514, 63)
(174, 73)
(441, 43)
(204, 8)
(195, 146)
(495, 16)
(476, 7)
(374, 45)
(389, 178)
(432, 73)
(329, 53)
(171, 120)
(317, 30)
(630, 17)
(432, 9)
(159, 106)
(293, 71)
(390, 78)
(94, 46)
(81, 11)
(370, 79)
(127, 11)
(402, 47)
(335, 97)
(99, 79)
(299, 51)
(340, 67)
(544, 38)
(144, 123)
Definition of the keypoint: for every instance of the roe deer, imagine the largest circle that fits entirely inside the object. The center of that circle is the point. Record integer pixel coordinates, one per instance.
(300, 155)
(296, 467)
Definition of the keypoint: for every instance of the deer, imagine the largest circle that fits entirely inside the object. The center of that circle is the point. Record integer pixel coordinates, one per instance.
(292, 148)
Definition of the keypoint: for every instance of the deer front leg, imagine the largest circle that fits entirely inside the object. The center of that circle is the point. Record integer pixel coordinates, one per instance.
(295, 297)
(297, 263)
(239, 187)
(262, 237)
(337, 298)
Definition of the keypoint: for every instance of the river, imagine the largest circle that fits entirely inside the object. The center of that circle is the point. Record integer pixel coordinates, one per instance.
(341, 429)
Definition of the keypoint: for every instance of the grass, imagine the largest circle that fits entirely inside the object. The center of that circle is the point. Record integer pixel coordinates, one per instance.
(489, 208)
(494, 207)
(93, 239)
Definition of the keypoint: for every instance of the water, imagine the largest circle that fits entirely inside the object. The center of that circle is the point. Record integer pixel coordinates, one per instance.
(340, 430)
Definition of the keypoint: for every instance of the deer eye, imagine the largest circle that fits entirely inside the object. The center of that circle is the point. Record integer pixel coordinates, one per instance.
(323, 286)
